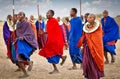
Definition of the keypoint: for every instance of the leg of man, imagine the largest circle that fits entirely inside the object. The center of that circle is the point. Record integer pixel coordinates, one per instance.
(22, 66)
(55, 69)
(30, 65)
(74, 66)
(63, 59)
(106, 57)
(112, 58)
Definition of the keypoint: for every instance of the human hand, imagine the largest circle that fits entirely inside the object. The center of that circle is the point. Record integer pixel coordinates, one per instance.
(21, 38)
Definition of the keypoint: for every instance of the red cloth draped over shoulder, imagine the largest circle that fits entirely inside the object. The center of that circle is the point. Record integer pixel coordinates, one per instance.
(95, 45)
(55, 43)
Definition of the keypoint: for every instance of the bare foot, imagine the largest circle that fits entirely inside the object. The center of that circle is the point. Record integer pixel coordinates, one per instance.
(17, 70)
(113, 61)
(54, 72)
(73, 68)
(63, 60)
(106, 62)
(30, 66)
(24, 76)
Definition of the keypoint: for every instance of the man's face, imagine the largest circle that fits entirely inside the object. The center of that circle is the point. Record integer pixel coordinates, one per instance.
(72, 13)
(105, 15)
(58, 18)
(10, 18)
(86, 16)
(20, 16)
(15, 18)
(40, 17)
(90, 19)
(48, 15)
(31, 17)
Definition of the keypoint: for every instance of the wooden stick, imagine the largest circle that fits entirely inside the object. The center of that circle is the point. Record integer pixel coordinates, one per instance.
(13, 8)
(80, 8)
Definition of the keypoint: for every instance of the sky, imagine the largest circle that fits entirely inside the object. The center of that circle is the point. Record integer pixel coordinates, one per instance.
(61, 7)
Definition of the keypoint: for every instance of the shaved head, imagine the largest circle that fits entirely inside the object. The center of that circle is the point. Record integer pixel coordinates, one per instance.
(91, 18)
(105, 13)
(21, 16)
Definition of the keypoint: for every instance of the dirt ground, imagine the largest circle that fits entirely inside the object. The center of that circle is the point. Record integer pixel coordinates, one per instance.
(41, 67)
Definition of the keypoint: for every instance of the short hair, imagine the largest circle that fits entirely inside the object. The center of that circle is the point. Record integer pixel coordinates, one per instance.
(23, 13)
(87, 14)
(9, 16)
(92, 15)
(52, 12)
(15, 15)
(75, 10)
(105, 11)
(67, 18)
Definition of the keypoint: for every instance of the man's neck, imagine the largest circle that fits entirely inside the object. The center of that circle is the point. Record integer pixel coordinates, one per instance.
(92, 23)
(74, 16)
(105, 17)
(21, 20)
(50, 17)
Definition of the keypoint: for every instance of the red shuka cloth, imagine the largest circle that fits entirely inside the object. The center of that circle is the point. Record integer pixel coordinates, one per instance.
(55, 42)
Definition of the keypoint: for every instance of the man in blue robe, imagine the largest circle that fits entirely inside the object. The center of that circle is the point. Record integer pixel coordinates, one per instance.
(75, 34)
(111, 35)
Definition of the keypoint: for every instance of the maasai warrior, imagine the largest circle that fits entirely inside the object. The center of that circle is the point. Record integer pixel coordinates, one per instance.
(13, 40)
(67, 24)
(9, 33)
(26, 43)
(41, 36)
(26, 18)
(92, 52)
(63, 31)
(111, 34)
(62, 28)
(85, 17)
(33, 25)
(14, 52)
(7, 27)
(53, 49)
(67, 28)
(75, 34)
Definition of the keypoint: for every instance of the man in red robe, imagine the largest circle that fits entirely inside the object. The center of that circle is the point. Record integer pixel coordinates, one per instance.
(53, 50)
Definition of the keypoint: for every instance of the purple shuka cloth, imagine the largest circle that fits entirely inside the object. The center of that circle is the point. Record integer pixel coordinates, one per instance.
(90, 69)
(6, 32)
(24, 30)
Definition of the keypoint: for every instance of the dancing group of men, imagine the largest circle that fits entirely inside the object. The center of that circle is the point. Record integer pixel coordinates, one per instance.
(88, 42)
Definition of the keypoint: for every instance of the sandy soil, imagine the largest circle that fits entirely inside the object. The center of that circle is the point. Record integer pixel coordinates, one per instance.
(42, 67)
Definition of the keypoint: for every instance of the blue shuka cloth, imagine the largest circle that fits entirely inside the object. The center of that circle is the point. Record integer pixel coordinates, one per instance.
(111, 33)
(54, 60)
(42, 25)
(110, 48)
(24, 49)
(111, 30)
(13, 52)
(75, 34)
